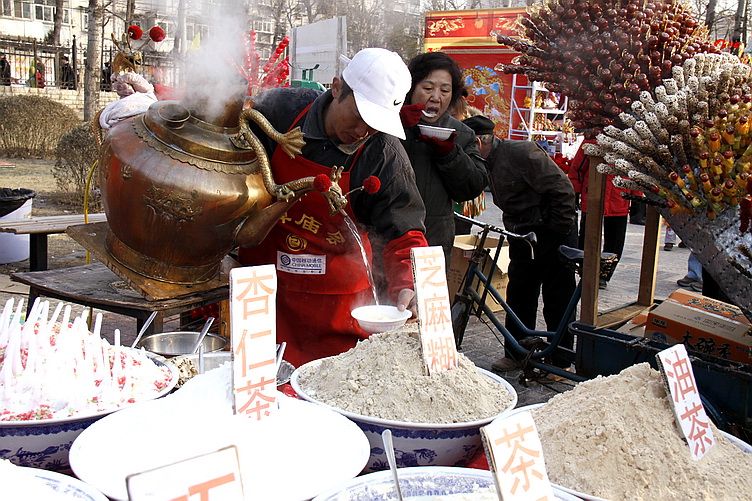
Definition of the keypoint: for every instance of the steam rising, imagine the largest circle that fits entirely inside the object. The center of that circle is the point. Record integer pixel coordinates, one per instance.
(213, 75)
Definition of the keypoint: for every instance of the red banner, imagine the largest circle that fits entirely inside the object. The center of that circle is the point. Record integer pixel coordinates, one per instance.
(465, 36)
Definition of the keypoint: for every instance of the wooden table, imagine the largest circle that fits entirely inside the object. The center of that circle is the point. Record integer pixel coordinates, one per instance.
(96, 286)
(38, 228)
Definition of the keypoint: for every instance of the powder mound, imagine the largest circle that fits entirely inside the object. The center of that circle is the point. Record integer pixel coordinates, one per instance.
(616, 438)
(383, 377)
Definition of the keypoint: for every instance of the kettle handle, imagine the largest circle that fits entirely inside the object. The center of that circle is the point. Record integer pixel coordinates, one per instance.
(291, 142)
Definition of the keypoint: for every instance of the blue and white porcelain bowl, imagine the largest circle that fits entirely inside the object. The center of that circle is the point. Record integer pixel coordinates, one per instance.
(416, 444)
(422, 482)
(44, 443)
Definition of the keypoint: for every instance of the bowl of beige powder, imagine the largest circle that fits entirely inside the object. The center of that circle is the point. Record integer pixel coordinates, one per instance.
(625, 425)
(381, 384)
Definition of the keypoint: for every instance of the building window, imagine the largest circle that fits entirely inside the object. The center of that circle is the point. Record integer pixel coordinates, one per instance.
(43, 13)
(263, 26)
(22, 10)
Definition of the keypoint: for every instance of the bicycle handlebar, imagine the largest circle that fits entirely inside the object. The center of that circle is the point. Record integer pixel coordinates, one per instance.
(530, 237)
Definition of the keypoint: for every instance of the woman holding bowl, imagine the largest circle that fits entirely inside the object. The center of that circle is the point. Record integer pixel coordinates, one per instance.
(448, 167)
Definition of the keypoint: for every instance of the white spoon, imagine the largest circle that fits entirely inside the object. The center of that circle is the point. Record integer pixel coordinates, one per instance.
(386, 436)
(429, 114)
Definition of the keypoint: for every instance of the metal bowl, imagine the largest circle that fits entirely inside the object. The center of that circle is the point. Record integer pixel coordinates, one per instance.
(171, 344)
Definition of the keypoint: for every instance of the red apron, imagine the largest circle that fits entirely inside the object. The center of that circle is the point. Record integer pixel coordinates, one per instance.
(321, 275)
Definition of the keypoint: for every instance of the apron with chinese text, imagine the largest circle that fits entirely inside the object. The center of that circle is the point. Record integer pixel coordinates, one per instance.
(320, 270)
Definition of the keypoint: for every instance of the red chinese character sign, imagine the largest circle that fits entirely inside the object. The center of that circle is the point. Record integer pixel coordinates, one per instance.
(210, 477)
(679, 378)
(515, 455)
(434, 309)
(253, 294)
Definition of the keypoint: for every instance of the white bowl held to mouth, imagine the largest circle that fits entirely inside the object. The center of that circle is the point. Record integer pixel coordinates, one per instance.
(441, 133)
(380, 318)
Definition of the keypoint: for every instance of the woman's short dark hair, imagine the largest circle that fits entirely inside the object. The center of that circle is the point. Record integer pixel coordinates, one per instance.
(423, 64)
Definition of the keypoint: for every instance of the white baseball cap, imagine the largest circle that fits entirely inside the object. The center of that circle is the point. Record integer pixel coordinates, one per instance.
(380, 81)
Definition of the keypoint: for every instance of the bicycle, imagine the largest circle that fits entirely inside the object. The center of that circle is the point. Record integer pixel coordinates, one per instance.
(531, 350)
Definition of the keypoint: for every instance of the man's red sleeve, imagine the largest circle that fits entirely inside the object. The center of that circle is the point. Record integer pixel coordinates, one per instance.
(399, 271)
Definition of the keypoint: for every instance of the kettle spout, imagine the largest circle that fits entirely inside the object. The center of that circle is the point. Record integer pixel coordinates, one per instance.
(258, 225)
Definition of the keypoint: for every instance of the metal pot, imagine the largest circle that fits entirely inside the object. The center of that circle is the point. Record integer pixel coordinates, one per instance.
(171, 344)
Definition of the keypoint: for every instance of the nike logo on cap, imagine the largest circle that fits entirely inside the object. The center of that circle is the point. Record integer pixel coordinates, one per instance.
(397, 103)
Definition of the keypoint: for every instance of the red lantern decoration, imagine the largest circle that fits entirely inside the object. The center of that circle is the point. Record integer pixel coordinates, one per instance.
(322, 183)
(157, 34)
(135, 32)
(372, 184)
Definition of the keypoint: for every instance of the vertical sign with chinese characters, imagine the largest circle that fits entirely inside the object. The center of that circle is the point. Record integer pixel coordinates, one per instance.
(515, 455)
(213, 476)
(434, 309)
(679, 378)
(253, 294)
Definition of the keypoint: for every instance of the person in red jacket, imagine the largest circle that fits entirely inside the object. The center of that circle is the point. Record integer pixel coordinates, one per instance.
(615, 207)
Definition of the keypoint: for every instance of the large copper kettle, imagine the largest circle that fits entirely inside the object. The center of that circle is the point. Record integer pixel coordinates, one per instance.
(180, 191)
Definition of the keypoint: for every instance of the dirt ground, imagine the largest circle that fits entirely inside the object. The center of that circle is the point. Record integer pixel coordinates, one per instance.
(37, 174)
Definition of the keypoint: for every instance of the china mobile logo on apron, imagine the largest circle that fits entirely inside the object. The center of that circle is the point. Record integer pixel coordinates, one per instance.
(301, 264)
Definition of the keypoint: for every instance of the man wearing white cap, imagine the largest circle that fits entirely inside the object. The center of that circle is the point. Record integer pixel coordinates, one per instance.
(355, 124)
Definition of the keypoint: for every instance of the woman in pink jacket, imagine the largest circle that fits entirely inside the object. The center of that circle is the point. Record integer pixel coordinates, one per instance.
(615, 208)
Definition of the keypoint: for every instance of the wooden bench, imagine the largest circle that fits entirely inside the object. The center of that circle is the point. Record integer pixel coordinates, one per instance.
(38, 228)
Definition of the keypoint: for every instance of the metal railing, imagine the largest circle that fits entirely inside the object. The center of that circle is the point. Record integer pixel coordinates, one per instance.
(36, 64)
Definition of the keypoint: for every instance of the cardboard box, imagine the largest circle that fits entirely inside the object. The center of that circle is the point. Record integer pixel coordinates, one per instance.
(461, 254)
(636, 326)
(702, 324)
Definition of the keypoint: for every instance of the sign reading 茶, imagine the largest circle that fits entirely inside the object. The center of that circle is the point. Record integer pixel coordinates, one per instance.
(679, 379)
(515, 455)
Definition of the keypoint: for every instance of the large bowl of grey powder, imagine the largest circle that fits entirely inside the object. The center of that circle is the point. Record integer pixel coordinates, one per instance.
(615, 438)
(380, 384)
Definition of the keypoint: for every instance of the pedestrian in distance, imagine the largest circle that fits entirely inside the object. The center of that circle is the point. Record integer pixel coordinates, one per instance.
(5, 78)
(67, 76)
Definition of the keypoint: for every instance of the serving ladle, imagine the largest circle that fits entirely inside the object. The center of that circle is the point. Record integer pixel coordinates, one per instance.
(202, 335)
(143, 328)
(386, 436)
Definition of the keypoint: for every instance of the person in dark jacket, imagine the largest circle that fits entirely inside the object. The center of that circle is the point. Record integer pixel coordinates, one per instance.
(4, 70)
(355, 125)
(105, 82)
(449, 170)
(534, 195)
(67, 78)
